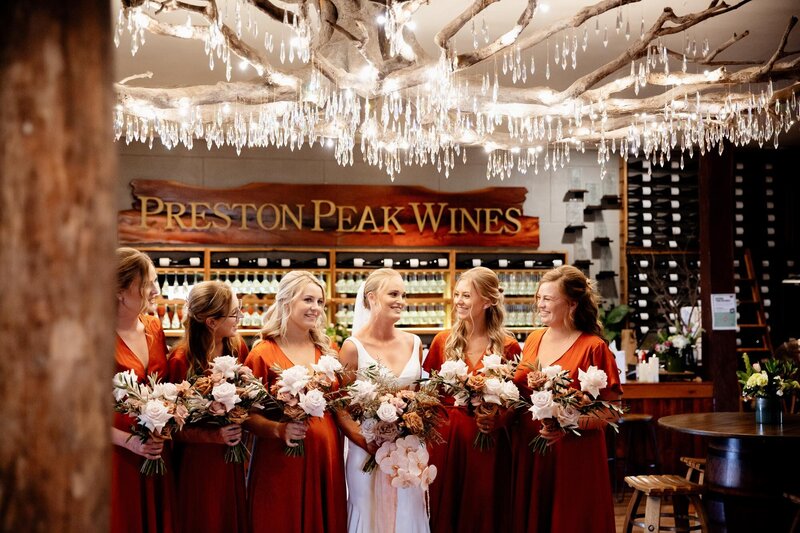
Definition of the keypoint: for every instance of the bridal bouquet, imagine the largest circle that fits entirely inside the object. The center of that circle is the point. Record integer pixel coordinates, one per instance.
(483, 393)
(224, 395)
(399, 421)
(159, 409)
(301, 394)
(560, 406)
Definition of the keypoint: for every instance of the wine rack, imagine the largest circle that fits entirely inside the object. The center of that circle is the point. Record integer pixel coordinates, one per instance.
(429, 275)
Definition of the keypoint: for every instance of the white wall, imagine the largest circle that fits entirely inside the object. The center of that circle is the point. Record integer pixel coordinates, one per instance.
(220, 168)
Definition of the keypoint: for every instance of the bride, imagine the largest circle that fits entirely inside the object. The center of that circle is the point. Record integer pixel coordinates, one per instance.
(373, 505)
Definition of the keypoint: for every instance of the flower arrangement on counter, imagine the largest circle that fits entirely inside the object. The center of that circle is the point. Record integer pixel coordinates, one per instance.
(159, 409)
(770, 378)
(399, 421)
(224, 395)
(484, 393)
(559, 406)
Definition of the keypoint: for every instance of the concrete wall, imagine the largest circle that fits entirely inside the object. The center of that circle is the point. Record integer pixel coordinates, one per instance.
(220, 168)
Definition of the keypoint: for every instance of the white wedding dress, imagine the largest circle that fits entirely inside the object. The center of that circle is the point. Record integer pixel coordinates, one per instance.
(363, 509)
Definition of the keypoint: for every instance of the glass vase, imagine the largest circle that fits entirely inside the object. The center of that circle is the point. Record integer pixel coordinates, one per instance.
(769, 411)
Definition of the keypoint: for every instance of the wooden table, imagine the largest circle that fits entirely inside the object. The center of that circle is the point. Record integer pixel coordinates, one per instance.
(749, 468)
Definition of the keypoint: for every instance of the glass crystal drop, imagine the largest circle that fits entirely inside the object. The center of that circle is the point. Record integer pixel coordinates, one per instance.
(585, 39)
(628, 30)
(605, 37)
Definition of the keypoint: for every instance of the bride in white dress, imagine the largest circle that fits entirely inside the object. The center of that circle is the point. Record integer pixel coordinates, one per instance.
(375, 341)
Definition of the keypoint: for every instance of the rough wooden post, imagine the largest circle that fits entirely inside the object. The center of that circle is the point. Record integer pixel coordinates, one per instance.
(57, 235)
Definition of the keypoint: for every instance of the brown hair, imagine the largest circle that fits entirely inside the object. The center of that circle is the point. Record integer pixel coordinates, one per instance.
(209, 299)
(133, 265)
(376, 281)
(486, 285)
(578, 289)
(276, 316)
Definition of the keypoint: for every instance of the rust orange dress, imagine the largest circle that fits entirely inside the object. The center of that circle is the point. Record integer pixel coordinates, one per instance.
(141, 503)
(472, 490)
(303, 494)
(566, 490)
(211, 495)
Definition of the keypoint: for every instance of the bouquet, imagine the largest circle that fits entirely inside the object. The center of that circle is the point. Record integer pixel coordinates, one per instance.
(771, 379)
(224, 395)
(399, 421)
(301, 394)
(483, 393)
(560, 406)
(159, 409)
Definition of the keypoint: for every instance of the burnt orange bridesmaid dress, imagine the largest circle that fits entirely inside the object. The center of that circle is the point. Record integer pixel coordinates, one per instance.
(303, 494)
(567, 490)
(472, 490)
(141, 503)
(210, 493)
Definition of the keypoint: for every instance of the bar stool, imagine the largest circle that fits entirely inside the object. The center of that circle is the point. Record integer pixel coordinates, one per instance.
(695, 464)
(656, 488)
(633, 427)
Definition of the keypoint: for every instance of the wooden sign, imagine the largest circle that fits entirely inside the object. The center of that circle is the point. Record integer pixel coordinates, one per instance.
(326, 215)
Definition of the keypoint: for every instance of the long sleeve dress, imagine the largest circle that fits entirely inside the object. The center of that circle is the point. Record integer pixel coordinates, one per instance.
(211, 495)
(567, 489)
(141, 503)
(303, 494)
(472, 492)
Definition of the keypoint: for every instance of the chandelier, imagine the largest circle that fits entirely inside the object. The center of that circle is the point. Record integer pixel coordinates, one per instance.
(353, 74)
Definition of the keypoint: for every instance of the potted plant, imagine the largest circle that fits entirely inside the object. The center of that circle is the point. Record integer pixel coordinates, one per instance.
(613, 320)
(767, 382)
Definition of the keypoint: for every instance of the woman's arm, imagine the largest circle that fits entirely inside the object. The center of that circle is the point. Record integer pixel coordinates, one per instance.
(149, 449)
(265, 428)
(348, 356)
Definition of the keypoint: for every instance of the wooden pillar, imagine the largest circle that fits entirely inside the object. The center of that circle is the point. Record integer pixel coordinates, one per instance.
(57, 237)
(716, 272)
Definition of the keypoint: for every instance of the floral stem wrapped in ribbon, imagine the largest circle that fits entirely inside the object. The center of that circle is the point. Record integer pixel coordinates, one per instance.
(559, 406)
(159, 410)
(224, 395)
(484, 393)
(302, 394)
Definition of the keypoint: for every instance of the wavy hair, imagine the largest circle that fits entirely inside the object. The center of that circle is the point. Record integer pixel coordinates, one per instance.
(133, 265)
(578, 289)
(376, 281)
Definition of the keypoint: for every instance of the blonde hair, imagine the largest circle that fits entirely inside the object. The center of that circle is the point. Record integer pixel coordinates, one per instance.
(578, 289)
(486, 285)
(276, 316)
(376, 281)
(133, 265)
(209, 299)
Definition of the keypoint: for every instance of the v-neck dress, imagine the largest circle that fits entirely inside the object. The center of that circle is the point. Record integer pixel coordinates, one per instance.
(472, 490)
(141, 503)
(303, 494)
(566, 490)
(364, 510)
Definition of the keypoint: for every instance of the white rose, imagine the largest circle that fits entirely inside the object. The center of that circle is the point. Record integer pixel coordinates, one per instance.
(225, 365)
(293, 380)
(491, 362)
(313, 403)
(593, 380)
(552, 371)
(492, 389)
(543, 405)
(568, 416)
(678, 341)
(327, 365)
(368, 429)
(155, 416)
(168, 391)
(387, 412)
(510, 392)
(363, 391)
(225, 393)
(453, 370)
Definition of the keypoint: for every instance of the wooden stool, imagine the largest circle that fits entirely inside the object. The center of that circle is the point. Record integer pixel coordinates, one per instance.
(695, 464)
(657, 487)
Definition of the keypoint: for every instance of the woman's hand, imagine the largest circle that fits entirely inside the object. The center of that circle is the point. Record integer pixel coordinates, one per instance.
(230, 435)
(149, 449)
(486, 418)
(551, 431)
(291, 431)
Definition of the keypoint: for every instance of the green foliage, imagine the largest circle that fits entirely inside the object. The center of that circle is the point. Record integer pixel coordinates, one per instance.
(769, 378)
(613, 320)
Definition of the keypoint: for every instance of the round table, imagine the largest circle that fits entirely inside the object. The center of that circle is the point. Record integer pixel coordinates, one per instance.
(749, 468)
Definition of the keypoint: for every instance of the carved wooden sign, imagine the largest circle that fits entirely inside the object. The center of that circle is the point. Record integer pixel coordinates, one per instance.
(326, 215)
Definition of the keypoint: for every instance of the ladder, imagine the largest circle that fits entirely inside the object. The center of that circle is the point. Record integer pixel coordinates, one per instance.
(752, 330)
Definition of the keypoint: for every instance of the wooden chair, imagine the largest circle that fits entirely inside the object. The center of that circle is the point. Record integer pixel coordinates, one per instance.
(795, 499)
(695, 464)
(656, 488)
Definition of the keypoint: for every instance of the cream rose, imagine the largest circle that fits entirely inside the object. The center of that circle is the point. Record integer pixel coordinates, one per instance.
(510, 392)
(552, 371)
(327, 365)
(492, 389)
(568, 416)
(168, 391)
(294, 379)
(363, 391)
(491, 363)
(225, 393)
(313, 403)
(226, 365)
(453, 371)
(155, 416)
(387, 412)
(543, 405)
(593, 380)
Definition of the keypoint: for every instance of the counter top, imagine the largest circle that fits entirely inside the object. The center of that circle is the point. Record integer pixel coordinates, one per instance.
(633, 390)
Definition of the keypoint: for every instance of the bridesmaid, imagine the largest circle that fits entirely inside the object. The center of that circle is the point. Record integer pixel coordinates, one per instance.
(303, 494)
(472, 492)
(139, 503)
(568, 488)
(210, 492)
